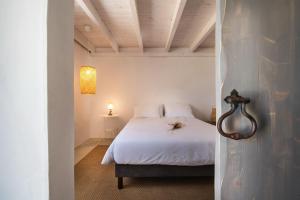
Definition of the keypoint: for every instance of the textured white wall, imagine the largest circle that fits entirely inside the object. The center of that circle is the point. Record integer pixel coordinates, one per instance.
(23, 100)
(127, 81)
(61, 99)
(36, 104)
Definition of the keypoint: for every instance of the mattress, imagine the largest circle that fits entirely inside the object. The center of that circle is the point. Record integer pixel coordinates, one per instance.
(148, 141)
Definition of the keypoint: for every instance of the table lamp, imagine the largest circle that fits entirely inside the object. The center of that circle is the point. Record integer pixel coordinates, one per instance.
(110, 107)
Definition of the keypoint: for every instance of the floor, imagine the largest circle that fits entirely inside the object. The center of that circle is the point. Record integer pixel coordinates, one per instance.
(85, 148)
(97, 182)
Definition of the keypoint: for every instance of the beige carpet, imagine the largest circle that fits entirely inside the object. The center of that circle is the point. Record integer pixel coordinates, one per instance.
(97, 182)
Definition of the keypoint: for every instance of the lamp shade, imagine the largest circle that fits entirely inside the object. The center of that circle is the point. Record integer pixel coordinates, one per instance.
(87, 80)
(110, 106)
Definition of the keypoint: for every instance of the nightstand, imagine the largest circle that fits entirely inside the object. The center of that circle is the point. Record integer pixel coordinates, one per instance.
(110, 116)
(111, 125)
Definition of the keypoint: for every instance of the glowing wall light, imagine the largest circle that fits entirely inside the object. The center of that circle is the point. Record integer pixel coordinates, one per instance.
(87, 80)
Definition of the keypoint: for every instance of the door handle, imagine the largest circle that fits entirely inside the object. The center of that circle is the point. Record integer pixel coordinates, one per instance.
(235, 100)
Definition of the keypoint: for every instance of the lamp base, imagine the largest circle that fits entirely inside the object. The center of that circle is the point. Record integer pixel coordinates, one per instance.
(110, 112)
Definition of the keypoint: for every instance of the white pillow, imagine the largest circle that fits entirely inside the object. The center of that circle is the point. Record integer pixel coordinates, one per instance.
(148, 110)
(178, 110)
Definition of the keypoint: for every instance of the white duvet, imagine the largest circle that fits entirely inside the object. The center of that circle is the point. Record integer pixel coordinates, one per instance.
(147, 141)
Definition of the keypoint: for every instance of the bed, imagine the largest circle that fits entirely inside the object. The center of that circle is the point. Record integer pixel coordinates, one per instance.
(147, 147)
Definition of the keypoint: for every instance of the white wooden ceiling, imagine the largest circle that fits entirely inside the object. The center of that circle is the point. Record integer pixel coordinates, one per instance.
(118, 26)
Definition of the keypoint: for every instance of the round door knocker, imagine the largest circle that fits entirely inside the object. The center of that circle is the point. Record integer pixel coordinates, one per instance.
(234, 100)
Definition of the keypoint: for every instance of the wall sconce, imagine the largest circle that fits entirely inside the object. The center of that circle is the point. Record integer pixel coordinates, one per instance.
(87, 80)
(110, 107)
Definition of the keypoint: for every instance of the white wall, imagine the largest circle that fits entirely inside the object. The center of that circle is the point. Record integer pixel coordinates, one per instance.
(23, 100)
(61, 99)
(127, 81)
(82, 105)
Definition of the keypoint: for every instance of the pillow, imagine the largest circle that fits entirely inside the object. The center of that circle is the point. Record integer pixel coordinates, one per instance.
(178, 110)
(148, 110)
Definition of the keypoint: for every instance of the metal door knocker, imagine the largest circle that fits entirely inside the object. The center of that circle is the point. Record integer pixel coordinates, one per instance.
(234, 100)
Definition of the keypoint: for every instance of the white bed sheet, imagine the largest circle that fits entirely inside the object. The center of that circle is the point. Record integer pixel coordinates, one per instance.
(146, 141)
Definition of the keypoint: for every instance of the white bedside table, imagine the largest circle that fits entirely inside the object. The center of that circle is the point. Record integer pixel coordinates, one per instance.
(110, 116)
(111, 125)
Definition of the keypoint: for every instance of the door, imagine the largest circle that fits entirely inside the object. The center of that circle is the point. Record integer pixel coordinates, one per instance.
(258, 54)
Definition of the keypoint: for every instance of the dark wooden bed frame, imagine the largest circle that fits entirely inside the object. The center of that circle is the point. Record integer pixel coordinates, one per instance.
(136, 171)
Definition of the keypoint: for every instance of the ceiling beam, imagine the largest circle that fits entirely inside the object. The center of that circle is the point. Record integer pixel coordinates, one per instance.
(204, 33)
(92, 13)
(175, 22)
(82, 41)
(136, 23)
(153, 52)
